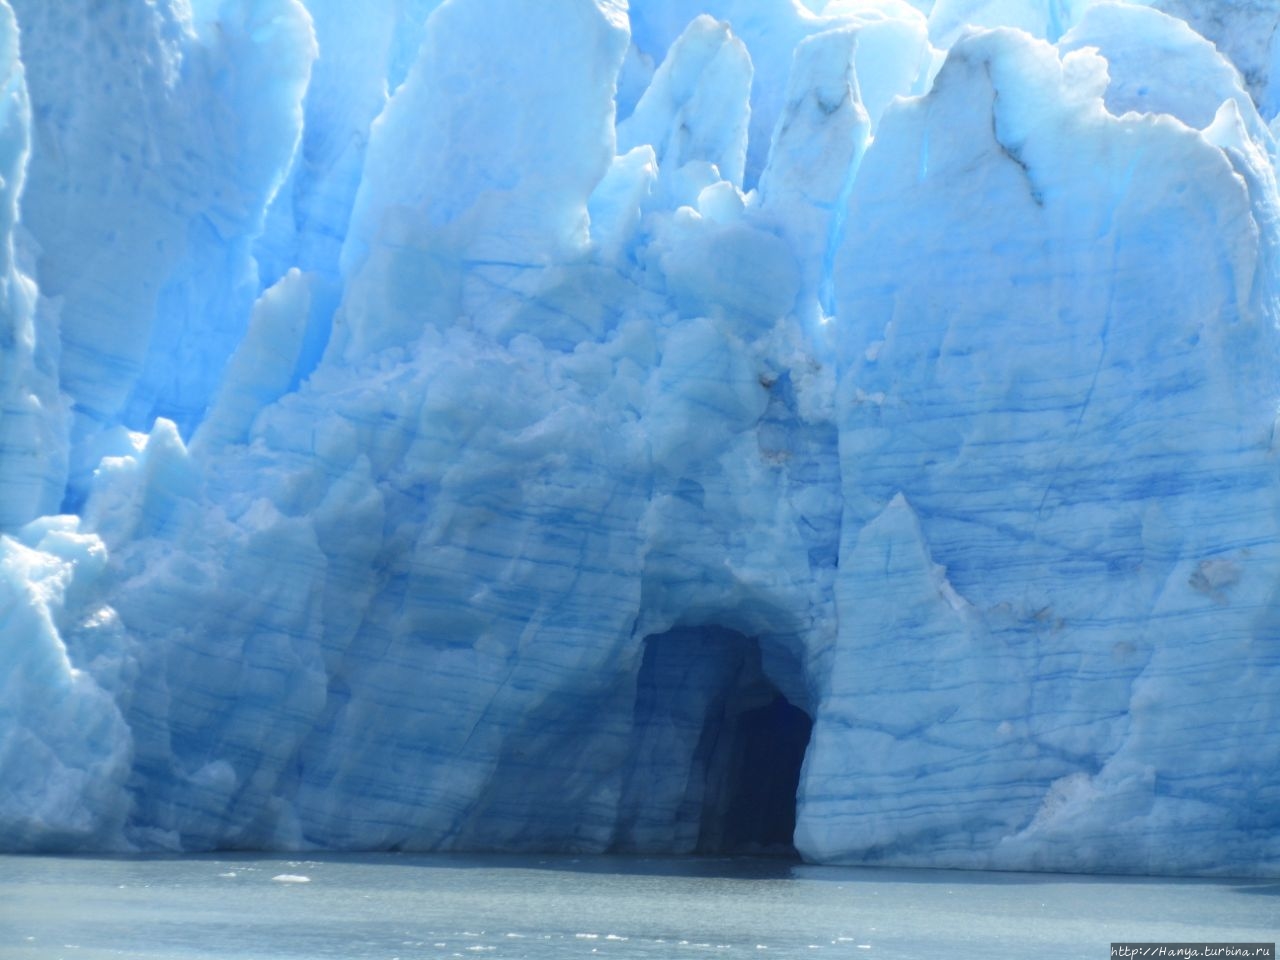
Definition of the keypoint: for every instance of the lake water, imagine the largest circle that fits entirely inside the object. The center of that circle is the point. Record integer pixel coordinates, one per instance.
(403, 906)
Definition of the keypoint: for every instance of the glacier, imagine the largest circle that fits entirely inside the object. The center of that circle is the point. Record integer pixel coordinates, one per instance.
(684, 426)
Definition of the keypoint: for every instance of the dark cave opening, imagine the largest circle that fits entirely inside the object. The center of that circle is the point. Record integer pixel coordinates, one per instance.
(758, 813)
(716, 750)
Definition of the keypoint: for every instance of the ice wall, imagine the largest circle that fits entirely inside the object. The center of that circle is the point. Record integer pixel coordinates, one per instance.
(32, 412)
(493, 425)
(160, 131)
(1031, 463)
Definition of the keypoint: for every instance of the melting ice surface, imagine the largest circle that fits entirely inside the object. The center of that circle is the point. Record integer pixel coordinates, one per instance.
(449, 906)
(683, 427)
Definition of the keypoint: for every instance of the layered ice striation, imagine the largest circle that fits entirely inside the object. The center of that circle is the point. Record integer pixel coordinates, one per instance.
(721, 426)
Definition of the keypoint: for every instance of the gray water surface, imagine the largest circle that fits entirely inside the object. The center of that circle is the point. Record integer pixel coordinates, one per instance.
(402, 906)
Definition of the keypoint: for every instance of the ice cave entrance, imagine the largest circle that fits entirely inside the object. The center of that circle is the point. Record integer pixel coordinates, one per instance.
(716, 749)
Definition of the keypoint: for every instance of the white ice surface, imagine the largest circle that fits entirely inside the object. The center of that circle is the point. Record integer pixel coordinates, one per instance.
(400, 374)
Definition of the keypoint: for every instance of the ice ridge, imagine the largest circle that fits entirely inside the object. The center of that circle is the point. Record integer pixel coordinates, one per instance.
(697, 425)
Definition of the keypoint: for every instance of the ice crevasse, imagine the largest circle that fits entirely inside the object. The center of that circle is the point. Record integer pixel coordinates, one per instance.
(704, 425)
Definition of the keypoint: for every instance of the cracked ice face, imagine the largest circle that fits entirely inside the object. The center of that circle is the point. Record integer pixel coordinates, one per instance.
(467, 416)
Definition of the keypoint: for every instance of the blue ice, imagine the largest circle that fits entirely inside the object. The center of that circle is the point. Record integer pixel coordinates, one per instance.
(481, 425)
